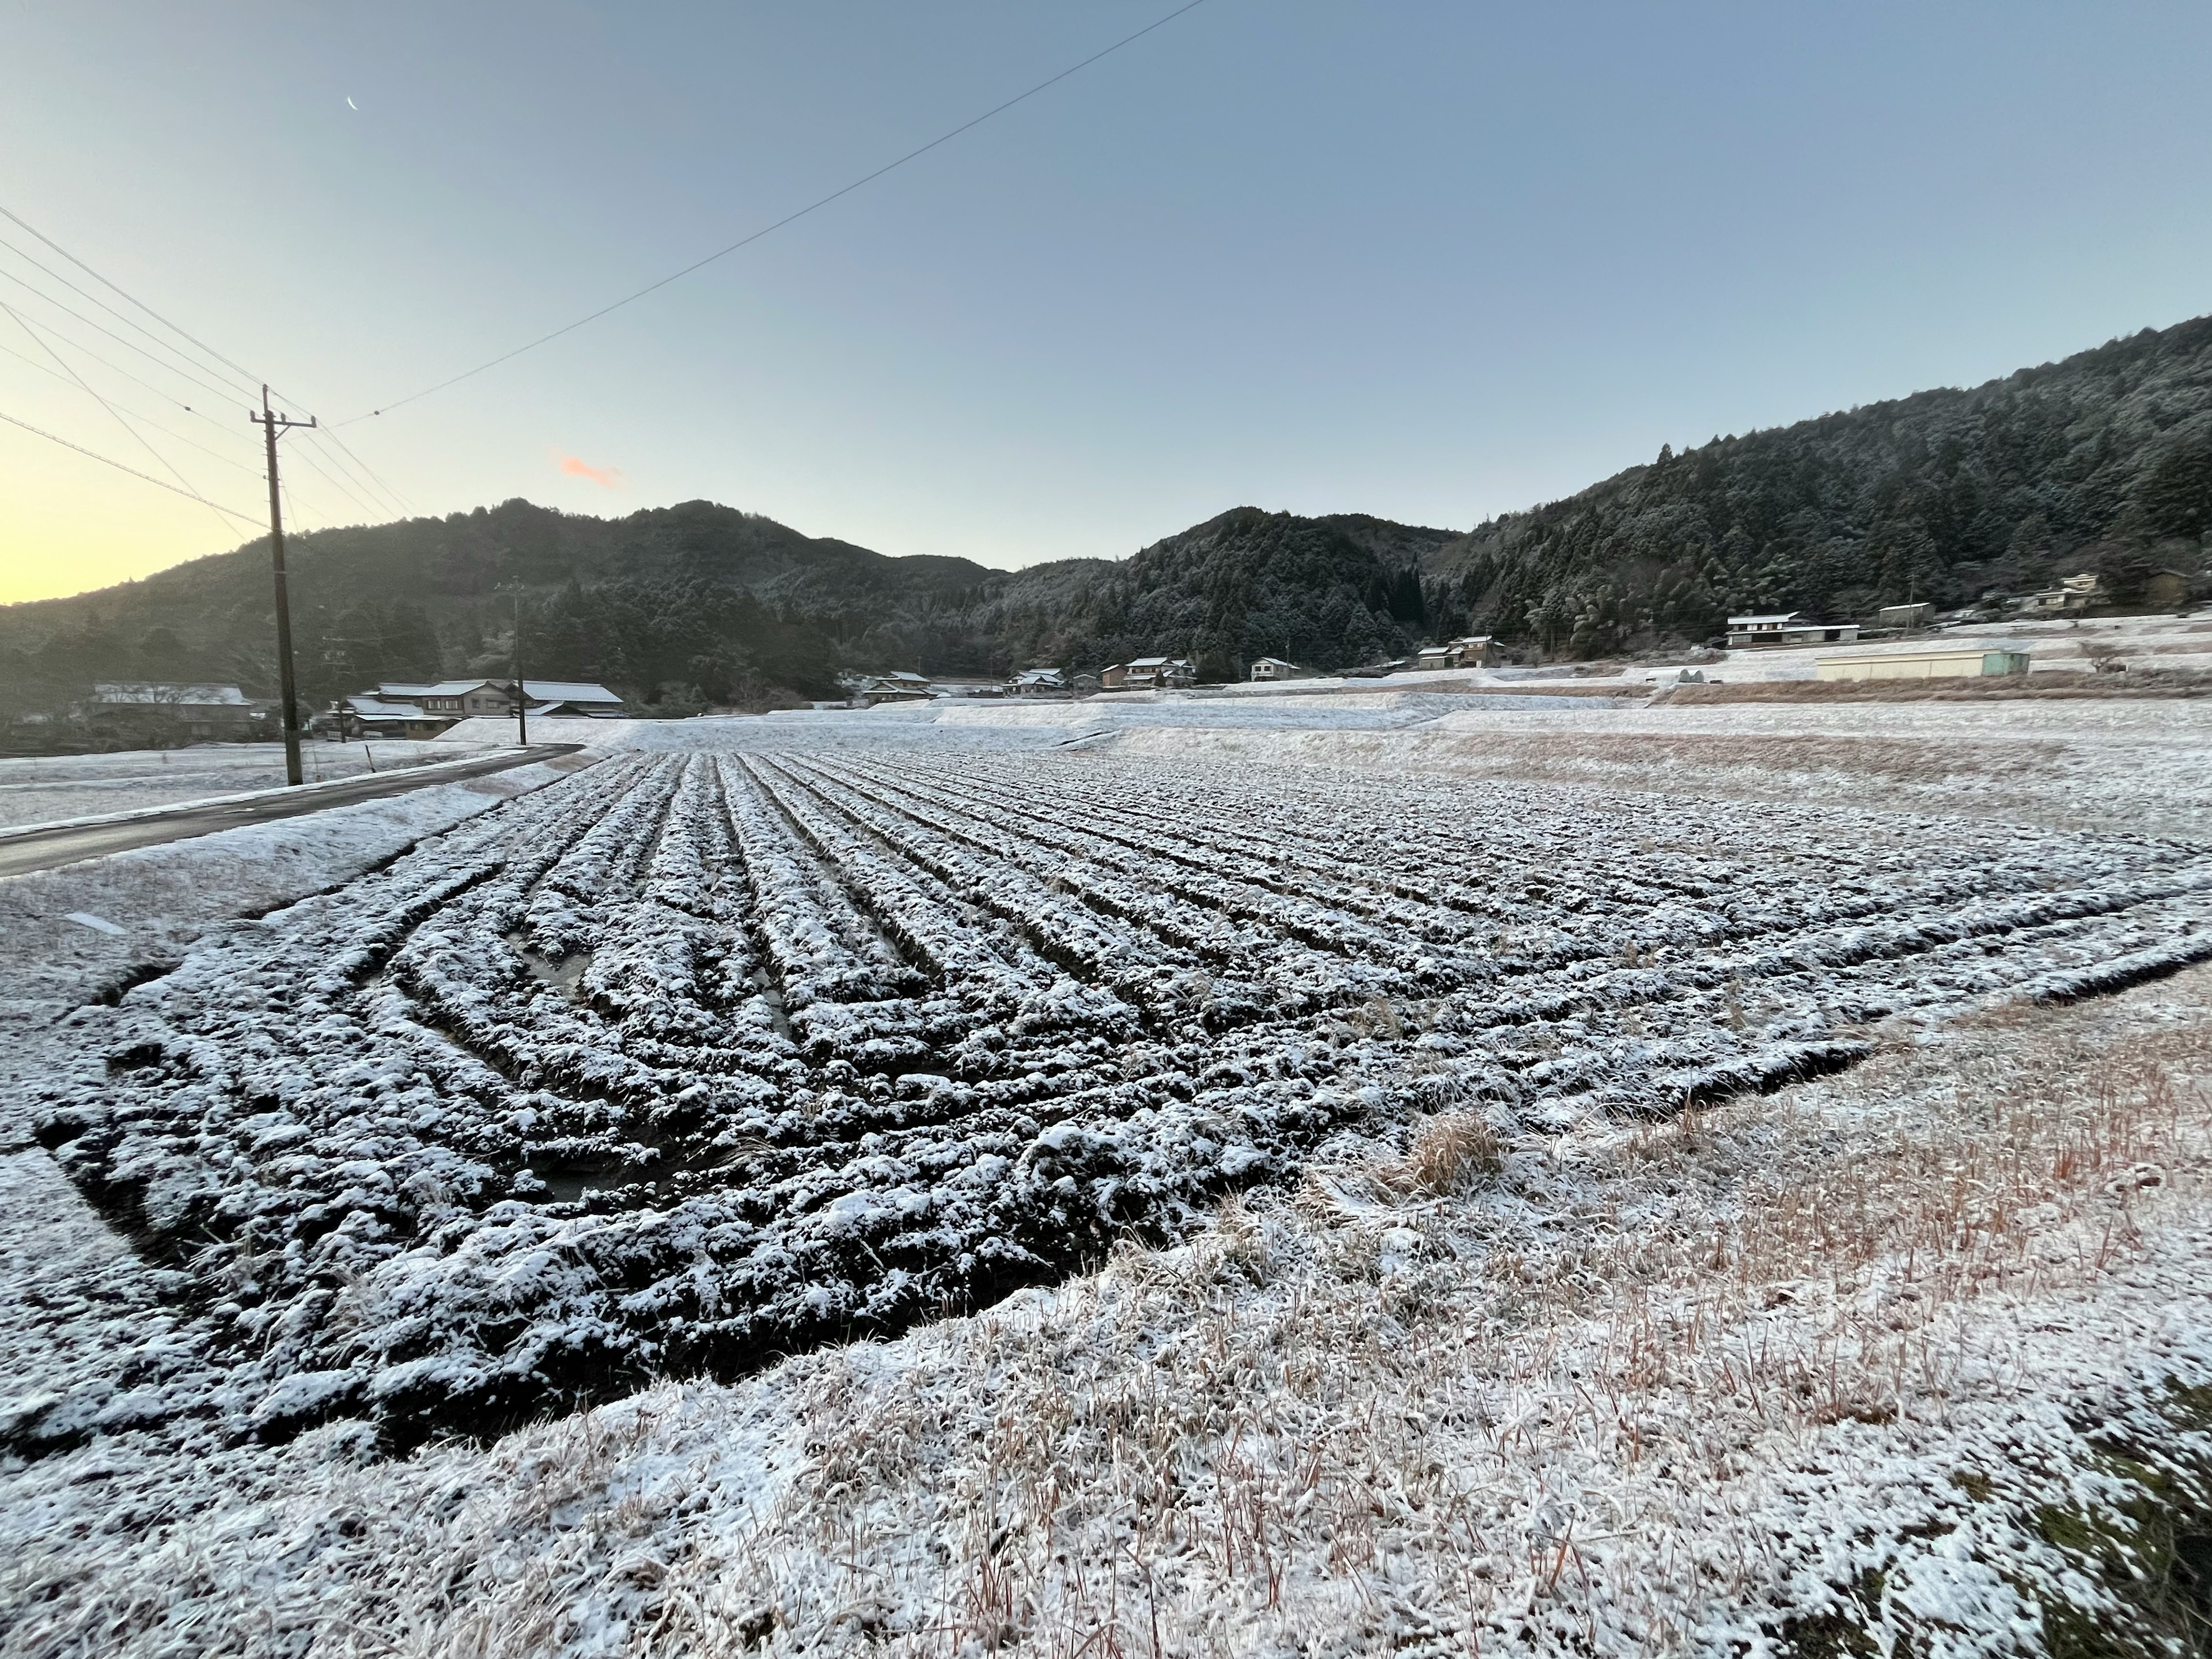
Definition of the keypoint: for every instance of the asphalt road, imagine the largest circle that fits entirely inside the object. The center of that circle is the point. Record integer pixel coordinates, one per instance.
(24, 850)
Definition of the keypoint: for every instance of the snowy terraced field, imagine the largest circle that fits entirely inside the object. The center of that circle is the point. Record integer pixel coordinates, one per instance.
(693, 1059)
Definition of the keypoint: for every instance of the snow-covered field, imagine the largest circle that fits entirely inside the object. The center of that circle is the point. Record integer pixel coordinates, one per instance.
(48, 788)
(1466, 1212)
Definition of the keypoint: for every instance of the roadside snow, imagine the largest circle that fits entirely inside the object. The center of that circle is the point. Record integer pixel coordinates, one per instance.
(161, 898)
(52, 788)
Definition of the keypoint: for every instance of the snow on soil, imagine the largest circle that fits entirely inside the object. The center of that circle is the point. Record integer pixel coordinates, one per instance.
(691, 1062)
(1916, 1358)
(2135, 766)
(1467, 1319)
(162, 898)
(50, 788)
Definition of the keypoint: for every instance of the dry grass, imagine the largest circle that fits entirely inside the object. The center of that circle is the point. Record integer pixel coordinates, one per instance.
(1542, 1396)
(1449, 1154)
(2066, 683)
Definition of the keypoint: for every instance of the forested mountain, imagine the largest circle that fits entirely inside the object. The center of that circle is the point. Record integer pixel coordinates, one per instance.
(2103, 462)
(702, 604)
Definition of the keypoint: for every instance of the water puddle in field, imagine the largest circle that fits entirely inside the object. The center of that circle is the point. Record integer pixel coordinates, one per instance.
(565, 975)
(771, 996)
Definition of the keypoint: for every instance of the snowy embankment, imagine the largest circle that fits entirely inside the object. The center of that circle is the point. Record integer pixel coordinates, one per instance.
(53, 788)
(159, 899)
(1417, 1261)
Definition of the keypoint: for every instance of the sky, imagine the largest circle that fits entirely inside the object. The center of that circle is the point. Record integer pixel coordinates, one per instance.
(1428, 260)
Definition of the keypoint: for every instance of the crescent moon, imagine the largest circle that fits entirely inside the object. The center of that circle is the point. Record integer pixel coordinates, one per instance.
(354, 107)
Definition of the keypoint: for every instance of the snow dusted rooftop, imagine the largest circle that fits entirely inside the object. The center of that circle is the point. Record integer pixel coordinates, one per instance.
(150, 694)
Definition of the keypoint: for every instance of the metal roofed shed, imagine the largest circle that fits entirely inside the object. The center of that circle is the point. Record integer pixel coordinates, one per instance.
(1921, 666)
(1787, 628)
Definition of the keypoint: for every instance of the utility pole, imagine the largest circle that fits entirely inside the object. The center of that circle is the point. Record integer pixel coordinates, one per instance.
(272, 425)
(521, 695)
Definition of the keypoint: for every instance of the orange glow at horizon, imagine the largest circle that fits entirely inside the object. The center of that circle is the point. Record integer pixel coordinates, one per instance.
(607, 477)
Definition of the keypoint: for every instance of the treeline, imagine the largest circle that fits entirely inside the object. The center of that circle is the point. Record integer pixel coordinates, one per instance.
(2102, 462)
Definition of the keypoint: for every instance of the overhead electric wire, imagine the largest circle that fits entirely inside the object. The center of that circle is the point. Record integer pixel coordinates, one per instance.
(220, 391)
(140, 415)
(375, 483)
(126, 293)
(256, 468)
(40, 431)
(109, 363)
(360, 472)
(136, 327)
(335, 483)
(85, 386)
(767, 230)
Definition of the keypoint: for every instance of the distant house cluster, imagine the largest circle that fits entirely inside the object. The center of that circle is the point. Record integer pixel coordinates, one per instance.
(1469, 651)
(1788, 627)
(180, 714)
(1148, 674)
(400, 710)
(905, 686)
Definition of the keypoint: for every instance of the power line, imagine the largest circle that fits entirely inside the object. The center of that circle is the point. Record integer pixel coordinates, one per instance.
(359, 469)
(335, 483)
(251, 379)
(118, 289)
(116, 367)
(40, 431)
(767, 230)
(38, 265)
(220, 391)
(143, 440)
(139, 415)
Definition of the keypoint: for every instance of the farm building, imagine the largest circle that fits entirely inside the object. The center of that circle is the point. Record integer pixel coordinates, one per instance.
(967, 688)
(1922, 665)
(182, 714)
(1148, 674)
(2075, 592)
(898, 686)
(1275, 668)
(457, 699)
(365, 716)
(1470, 651)
(1788, 627)
(1904, 616)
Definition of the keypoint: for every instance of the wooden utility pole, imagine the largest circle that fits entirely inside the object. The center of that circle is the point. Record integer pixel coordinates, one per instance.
(272, 424)
(521, 693)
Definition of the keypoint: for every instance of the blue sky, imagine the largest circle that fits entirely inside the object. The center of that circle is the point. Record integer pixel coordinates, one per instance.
(1429, 261)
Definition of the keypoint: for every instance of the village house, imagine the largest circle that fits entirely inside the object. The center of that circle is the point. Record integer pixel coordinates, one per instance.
(963, 687)
(1274, 668)
(364, 716)
(1469, 651)
(1039, 683)
(2075, 592)
(897, 686)
(159, 712)
(1154, 673)
(1788, 627)
(397, 709)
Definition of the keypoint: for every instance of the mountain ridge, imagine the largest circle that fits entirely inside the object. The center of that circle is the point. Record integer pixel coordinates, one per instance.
(2102, 460)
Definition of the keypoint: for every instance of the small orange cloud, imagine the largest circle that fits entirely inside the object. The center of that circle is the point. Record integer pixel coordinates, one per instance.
(607, 477)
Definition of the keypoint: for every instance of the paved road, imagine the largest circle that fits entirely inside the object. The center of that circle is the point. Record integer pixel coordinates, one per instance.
(26, 850)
